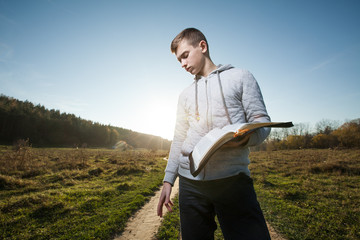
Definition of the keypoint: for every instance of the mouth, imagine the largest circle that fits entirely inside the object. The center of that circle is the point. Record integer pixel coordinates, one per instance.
(188, 69)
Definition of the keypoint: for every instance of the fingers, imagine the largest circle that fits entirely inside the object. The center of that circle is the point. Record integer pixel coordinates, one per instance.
(168, 206)
(164, 200)
(238, 143)
(159, 209)
(160, 204)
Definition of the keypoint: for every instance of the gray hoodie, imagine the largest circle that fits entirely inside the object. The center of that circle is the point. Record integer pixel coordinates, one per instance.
(226, 97)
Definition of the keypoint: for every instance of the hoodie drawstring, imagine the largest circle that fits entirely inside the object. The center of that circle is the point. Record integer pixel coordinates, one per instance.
(223, 98)
(197, 115)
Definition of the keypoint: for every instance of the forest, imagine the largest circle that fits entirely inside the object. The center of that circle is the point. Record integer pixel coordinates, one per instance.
(24, 121)
(327, 134)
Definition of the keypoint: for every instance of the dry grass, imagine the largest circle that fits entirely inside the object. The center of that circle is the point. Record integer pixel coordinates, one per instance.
(73, 193)
(304, 194)
(312, 190)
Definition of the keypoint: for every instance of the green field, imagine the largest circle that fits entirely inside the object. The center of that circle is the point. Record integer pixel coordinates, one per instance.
(90, 193)
(73, 193)
(305, 194)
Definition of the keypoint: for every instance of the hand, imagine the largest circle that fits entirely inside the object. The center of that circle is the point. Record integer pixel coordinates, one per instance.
(165, 199)
(242, 142)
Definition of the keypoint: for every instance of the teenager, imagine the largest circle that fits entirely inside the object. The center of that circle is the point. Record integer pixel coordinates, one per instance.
(220, 96)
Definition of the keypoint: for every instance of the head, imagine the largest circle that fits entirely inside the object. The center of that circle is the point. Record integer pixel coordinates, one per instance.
(191, 49)
(192, 35)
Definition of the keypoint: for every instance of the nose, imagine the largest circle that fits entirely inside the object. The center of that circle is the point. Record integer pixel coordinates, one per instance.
(183, 63)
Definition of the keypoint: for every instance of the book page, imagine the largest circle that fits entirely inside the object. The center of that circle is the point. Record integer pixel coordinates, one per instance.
(207, 143)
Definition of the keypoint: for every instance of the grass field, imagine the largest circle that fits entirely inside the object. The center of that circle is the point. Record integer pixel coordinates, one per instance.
(305, 194)
(73, 193)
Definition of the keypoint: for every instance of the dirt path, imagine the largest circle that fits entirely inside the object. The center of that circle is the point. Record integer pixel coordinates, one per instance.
(145, 223)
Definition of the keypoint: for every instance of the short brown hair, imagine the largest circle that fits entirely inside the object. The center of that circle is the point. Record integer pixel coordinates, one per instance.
(193, 35)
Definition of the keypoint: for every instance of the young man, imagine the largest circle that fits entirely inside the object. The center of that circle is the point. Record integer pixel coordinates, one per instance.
(220, 96)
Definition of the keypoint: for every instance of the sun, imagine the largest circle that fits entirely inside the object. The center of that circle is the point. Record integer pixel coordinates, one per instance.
(160, 117)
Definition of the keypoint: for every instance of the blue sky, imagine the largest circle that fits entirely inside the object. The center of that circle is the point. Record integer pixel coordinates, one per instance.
(109, 61)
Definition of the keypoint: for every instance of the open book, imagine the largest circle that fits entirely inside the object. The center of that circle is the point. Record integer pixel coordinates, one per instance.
(216, 138)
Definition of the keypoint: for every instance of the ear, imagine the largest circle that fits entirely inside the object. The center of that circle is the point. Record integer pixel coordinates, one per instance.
(203, 46)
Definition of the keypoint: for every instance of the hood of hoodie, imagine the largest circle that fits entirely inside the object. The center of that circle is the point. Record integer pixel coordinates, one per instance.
(219, 68)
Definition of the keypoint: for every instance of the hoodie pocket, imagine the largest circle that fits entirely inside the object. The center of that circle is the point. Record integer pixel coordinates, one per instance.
(184, 162)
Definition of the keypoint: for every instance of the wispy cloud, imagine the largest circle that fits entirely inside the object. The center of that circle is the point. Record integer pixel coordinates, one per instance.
(324, 63)
(348, 50)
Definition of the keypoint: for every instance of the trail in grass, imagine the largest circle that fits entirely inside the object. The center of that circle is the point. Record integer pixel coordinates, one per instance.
(145, 223)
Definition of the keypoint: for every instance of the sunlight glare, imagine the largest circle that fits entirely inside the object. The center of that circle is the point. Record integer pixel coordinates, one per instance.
(160, 117)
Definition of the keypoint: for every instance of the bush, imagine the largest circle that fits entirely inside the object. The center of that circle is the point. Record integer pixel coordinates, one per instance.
(324, 141)
(349, 134)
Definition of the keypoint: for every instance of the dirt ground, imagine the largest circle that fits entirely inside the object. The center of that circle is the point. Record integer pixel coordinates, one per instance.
(145, 223)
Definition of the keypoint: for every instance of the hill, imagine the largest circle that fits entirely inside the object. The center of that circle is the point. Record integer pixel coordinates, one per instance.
(45, 128)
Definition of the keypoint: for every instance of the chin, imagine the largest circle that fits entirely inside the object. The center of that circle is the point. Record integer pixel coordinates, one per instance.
(194, 72)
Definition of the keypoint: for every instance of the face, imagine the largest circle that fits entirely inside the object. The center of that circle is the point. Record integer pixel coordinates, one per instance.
(192, 58)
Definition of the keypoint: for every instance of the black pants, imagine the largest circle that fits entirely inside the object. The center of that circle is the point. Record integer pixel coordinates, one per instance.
(234, 202)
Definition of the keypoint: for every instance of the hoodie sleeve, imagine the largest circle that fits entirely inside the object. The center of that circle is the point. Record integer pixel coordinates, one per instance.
(254, 108)
(181, 128)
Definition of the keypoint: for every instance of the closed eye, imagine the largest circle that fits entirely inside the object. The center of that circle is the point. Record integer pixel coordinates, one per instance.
(184, 55)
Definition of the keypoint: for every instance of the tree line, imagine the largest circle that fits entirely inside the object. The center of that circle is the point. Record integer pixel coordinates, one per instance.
(51, 128)
(327, 134)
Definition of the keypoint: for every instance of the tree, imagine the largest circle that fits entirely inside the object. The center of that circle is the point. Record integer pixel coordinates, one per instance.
(324, 141)
(349, 134)
(114, 136)
(326, 126)
(24, 120)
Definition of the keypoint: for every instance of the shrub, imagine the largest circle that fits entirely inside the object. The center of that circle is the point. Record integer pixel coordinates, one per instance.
(324, 141)
(349, 134)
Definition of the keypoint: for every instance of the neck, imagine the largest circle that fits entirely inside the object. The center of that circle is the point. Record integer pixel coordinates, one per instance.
(208, 68)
